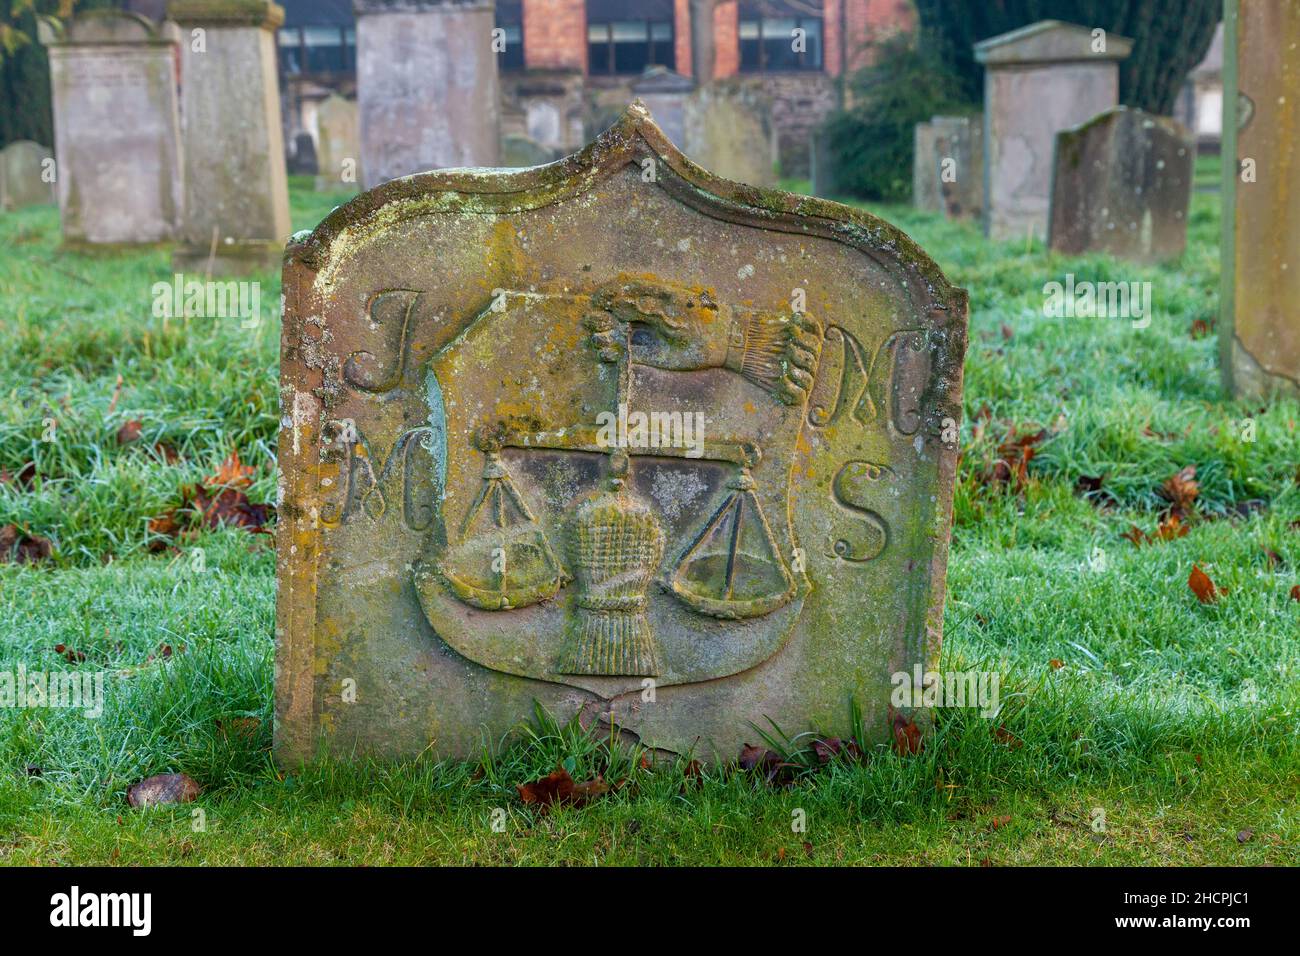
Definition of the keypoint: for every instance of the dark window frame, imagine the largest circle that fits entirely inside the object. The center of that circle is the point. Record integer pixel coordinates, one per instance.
(803, 65)
(610, 45)
(512, 59)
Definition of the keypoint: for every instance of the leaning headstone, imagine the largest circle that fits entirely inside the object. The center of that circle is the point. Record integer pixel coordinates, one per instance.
(959, 167)
(339, 155)
(1121, 184)
(303, 162)
(236, 188)
(728, 132)
(662, 450)
(117, 148)
(664, 94)
(1038, 80)
(426, 86)
(26, 175)
(1259, 325)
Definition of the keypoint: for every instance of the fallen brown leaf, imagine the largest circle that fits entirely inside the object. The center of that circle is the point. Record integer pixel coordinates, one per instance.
(1295, 592)
(162, 789)
(558, 788)
(19, 547)
(1181, 490)
(232, 474)
(24, 479)
(129, 432)
(907, 736)
(72, 656)
(1206, 591)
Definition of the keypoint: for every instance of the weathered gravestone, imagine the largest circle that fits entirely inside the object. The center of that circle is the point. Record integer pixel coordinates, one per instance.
(303, 162)
(1038, 80)
(26, 173)
(236, 187)
(663, 447)
(1122, 184)
(112, 84)
(925, 162)
(339, 154)
(426, 86)
(728, 131)
(1259, 325)
(959, 167)
(822, 165)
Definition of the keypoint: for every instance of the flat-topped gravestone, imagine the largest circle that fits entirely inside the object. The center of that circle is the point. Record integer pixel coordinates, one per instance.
(26, 175)
(664, 93)
(822, 165)
(338, 156)
(426, 86)
(959, 167)
(236, 185)
(1122, 184)
(728, 131)
(613, 435)
(1259, 325)
(117, 148)
(1038, 80)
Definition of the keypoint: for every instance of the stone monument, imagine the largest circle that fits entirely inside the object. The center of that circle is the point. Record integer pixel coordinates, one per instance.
(1259, 325)
(728, 131)
(339, 154)
(24, 180)
(426, 86)
(959, 167)
(665, 451)
(1122, 184)
(1038, 80)
(236, 187)
(117, 166)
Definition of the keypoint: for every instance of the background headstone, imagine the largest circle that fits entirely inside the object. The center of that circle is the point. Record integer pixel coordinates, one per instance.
(339, 154)
(113, 88)
(22, 180)
(1259, 325)
(822, 165)
(236, 187)
(426, 86)
(522, 151)
(727, 130)
(664, 94)
(959, 167)
(303, 162)
(1122, 184)
(458, 540)
(1038, 80)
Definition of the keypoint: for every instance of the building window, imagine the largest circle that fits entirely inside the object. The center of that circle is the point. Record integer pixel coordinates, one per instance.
(625, 37)
(290, 50)
(510, 21)
(326, 49)
(778, 43)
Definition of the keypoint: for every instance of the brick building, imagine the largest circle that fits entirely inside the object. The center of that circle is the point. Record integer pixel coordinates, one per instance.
(569, 66)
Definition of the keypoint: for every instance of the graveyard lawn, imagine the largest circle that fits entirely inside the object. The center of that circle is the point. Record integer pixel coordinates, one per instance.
(1137, 724)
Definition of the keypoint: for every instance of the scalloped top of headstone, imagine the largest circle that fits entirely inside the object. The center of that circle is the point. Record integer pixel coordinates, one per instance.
(1049, 41)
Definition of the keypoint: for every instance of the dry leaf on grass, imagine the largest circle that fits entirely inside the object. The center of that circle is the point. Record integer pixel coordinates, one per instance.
(558, 788)
(19, 547)
(162, 789)
(1206, 591)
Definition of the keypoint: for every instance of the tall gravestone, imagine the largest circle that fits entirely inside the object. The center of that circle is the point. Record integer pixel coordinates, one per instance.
(1038, 80)
(822, 165)
(1259, 326)
(339, 155)
(1122, 184)
(727, 129)
(426, 86)
(117, 149)
(236, 186)
(26, 175)
(663, 451)
(958, 166)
